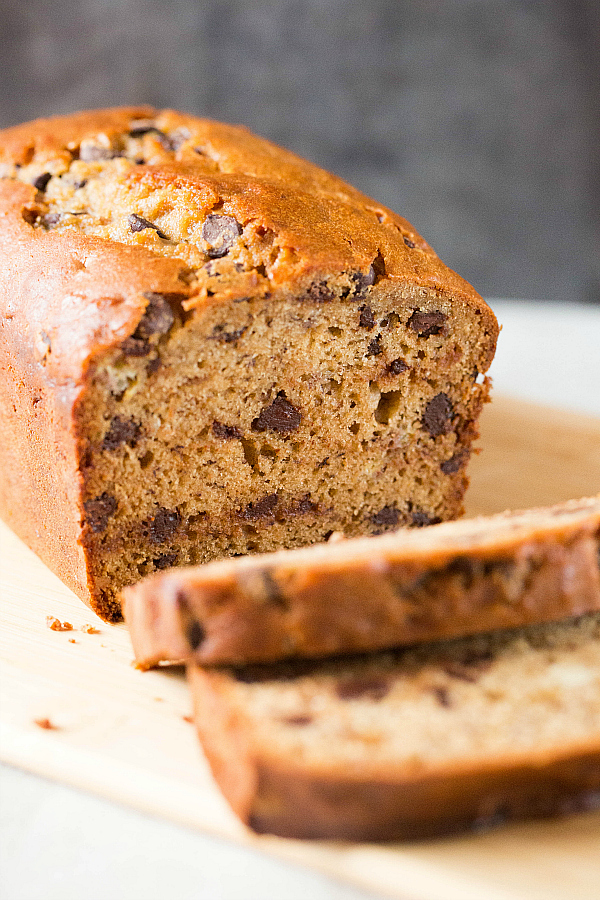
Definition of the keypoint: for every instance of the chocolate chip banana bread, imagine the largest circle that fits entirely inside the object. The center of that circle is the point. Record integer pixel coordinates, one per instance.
(369, 593)
(211, 347)
(410, 744)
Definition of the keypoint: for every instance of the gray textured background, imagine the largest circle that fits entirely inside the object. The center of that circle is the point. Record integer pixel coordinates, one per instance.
(476, 119)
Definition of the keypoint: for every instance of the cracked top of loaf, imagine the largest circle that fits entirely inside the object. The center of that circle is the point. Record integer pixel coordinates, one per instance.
(100, 210)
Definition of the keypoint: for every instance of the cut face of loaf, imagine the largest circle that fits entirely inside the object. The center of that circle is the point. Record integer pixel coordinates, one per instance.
(403, 745)
(214, 348)
(369, 593)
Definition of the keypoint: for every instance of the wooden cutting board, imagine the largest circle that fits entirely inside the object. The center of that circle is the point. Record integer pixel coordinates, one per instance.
(123, 734)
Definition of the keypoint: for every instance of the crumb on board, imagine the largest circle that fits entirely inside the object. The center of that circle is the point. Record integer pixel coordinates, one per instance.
(188, 719)
(46, 724)
(55, 624)
(72, 641)
(90, 629)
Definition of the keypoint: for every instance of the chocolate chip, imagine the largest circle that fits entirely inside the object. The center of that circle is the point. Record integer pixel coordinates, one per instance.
(226, 432)
(79, 184)
(132, 346)
(281, 416)
(95, 153)
(397, 367)
(374, 348)
(50, 219)
(41, 182)
(363, 280)
(427, 323)
(320, 292)
(99, 511)
(178, 138)
(389, 515)
(165, 561)
(195, 634)
(409, 243)
(297, 720)
(143, 126)
(367, 319)
(138, 223)
(260, 509)
(456, 462)
(437, 417)
(227, 337)
(163, 525)
(362, 688)
(121, 431)
(461, 671)
(299, 507)
(442, 696)
(158, 316)
(220, 232)
(154, 365)
(420, 519)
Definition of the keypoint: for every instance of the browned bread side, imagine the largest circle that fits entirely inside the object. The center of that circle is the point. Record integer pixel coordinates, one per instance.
(368, 593)
(468, 733)
(211, 347)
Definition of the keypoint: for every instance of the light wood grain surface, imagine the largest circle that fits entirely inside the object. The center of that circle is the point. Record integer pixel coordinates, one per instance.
(122, 733)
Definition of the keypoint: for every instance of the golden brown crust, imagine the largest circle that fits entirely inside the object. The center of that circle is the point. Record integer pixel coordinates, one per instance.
(69, 297)
(366, 594)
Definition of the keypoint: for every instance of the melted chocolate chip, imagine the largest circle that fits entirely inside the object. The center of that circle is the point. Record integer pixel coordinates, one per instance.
(226, 432)
(367, 319)
(397, 367)
(163, 525)
(50, 219)
(165, 561)
(260, 509)
(41, 182)
(220, 233)
(363, 280)
(456, 462)
(158, 316)
(437, 417)
(95, 153)
(297, 720)
(362, 689)
(132, 346)
(442, 695)
(195, 634)
(374, 348)
(227, 337)
(143, 126)
(154, 365)
(420, 519)
(299, 506)
(409, 243)
(281, 416)
(427, 323)
(138, 223)
(99, 511)
(121, 431)
(320, 292)
(389, 515)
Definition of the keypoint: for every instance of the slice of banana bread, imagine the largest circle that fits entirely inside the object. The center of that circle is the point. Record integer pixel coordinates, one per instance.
(211, 347)
(403, 745)
(368, 593)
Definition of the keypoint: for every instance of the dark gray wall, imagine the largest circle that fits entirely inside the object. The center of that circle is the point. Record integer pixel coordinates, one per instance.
(476, 119)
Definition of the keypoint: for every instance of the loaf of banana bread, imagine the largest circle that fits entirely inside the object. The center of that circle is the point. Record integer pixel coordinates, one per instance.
(395, 745)
(448, 580)
(211, 347)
